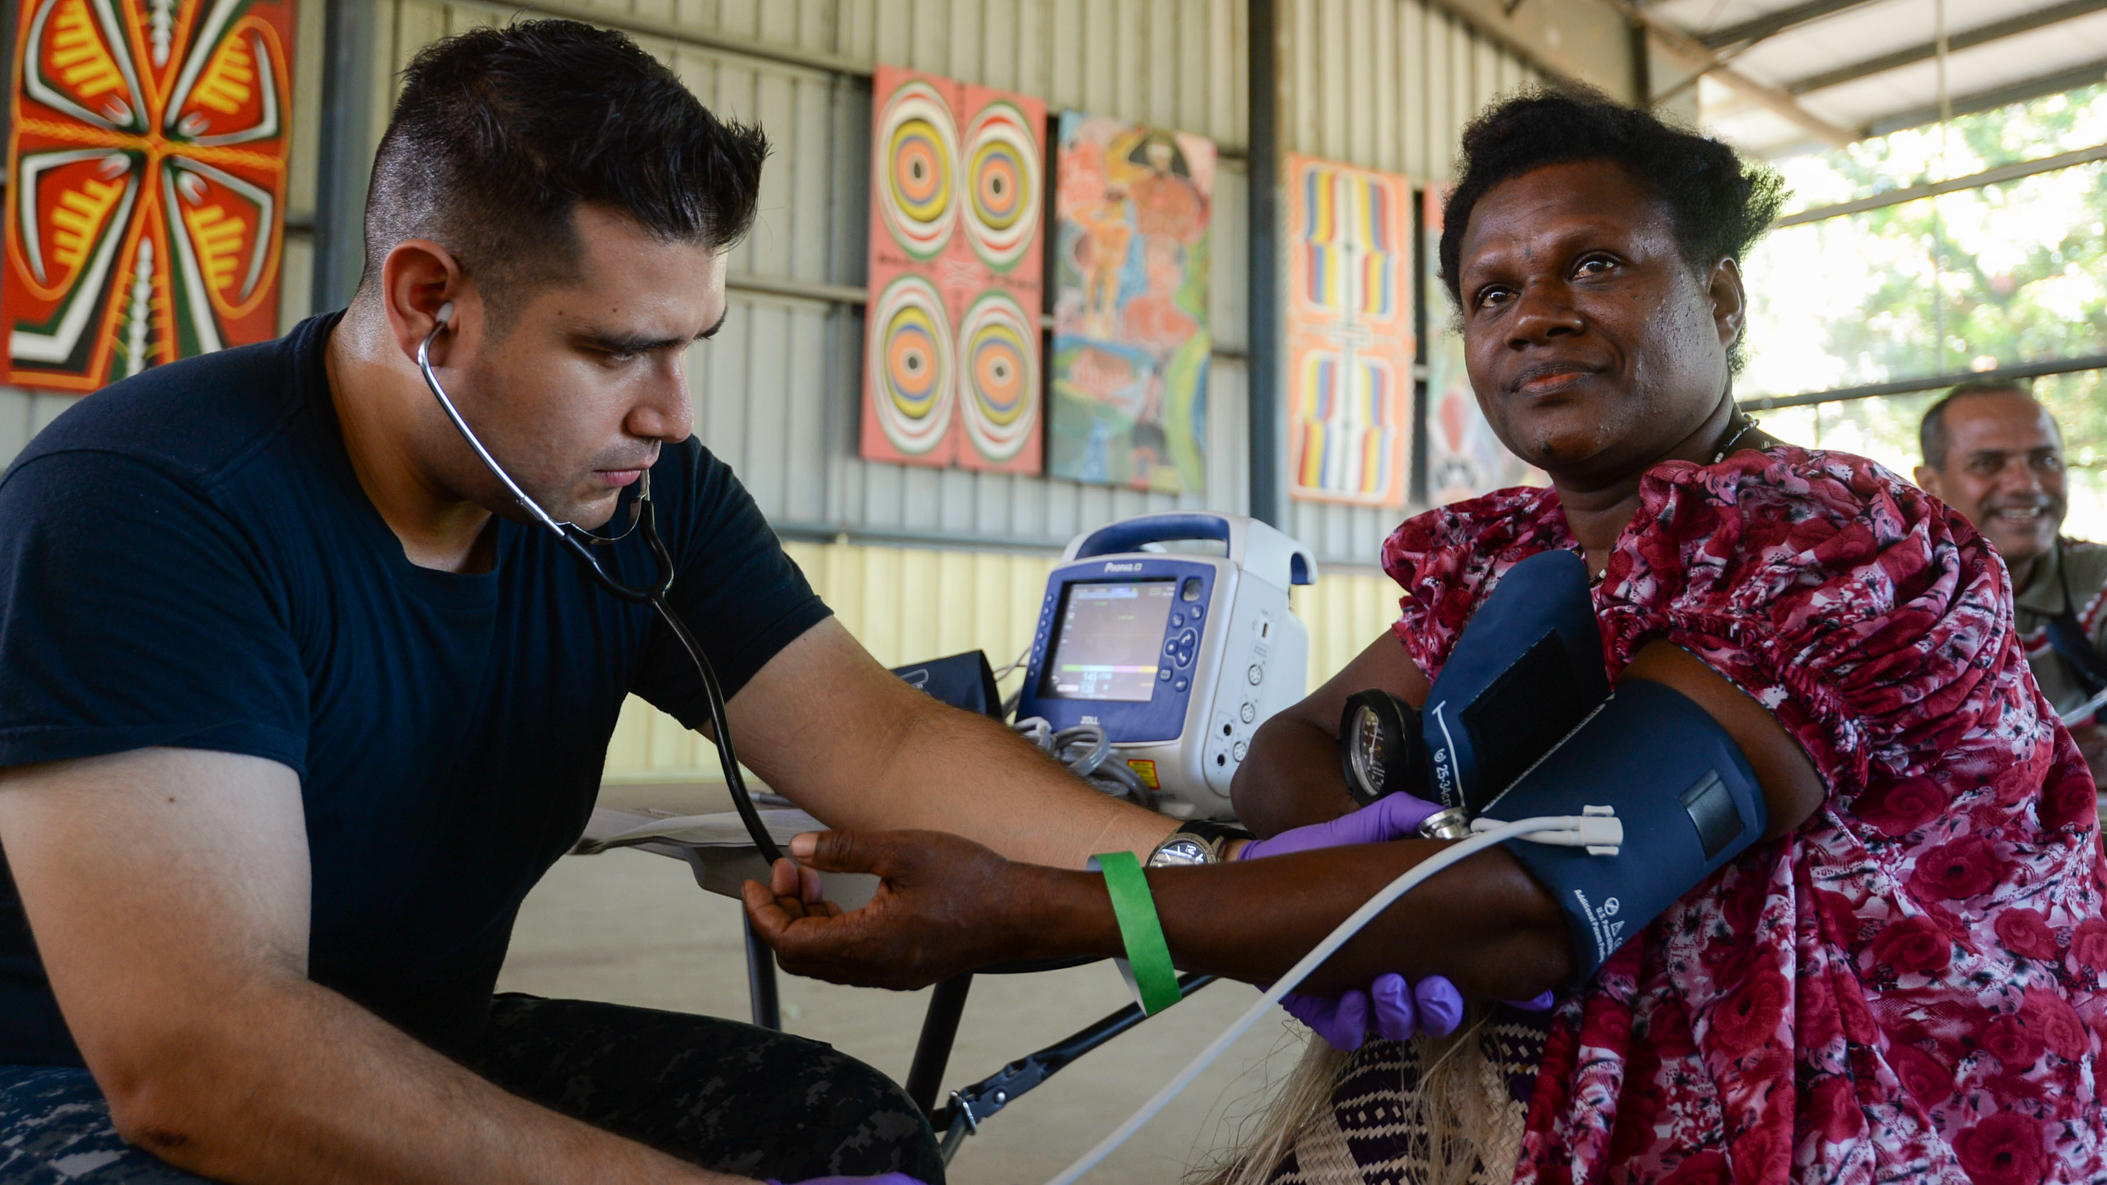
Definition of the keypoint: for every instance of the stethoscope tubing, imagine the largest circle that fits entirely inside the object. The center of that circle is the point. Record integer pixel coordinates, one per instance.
(580, 543)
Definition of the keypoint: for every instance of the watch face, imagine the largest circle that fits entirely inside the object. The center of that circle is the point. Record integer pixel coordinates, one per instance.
(1182, 850)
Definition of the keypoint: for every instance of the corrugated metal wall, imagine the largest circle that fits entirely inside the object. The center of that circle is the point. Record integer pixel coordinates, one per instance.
(1382, 83)
(779, 389)
(903, 603)
(1387, 85)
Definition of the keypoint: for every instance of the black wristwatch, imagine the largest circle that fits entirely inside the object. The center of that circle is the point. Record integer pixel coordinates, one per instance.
(1198, 841)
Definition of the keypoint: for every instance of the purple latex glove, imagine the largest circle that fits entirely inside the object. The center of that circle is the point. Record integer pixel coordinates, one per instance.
(1434, 1007)
(887, 1179)
(1397, 1009)
(1393, 816)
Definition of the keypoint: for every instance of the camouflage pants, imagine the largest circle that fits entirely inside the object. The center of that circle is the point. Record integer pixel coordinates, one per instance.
(718, 1093)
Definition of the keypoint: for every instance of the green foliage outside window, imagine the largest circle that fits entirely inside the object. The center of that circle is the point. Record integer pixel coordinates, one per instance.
(1995, 276)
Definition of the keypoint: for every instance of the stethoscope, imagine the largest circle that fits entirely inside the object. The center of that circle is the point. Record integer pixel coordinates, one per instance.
(581, 542)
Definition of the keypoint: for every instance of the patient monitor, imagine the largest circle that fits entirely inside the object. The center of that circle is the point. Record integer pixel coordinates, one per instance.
(1177, 656)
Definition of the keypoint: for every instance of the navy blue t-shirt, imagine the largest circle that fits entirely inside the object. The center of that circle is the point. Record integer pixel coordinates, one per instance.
(187, 559)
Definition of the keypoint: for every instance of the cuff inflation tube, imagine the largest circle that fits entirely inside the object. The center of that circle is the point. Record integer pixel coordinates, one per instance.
(1598, 834)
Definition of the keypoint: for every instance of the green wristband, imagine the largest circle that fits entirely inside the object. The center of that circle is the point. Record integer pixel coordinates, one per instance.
(1147, 967)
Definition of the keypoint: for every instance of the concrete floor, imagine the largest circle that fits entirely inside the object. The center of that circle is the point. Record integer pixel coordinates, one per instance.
(632, 927)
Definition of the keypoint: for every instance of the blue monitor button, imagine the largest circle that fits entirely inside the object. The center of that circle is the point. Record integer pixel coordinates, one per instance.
(1170, 645)
(1177, 619)
(1188, 639)
(1182, 684)
(1194, 614)
(1163, 674)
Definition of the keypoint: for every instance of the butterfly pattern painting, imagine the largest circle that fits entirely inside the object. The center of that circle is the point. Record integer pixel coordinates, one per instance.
(147, 154)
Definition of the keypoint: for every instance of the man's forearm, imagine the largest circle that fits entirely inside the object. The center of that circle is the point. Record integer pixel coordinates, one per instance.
(303, 1086)
(969, 775)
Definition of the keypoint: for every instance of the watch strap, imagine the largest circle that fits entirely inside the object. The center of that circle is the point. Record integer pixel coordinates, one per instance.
(1212, 836)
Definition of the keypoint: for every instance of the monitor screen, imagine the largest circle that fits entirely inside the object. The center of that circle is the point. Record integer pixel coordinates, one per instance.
(1108, 641)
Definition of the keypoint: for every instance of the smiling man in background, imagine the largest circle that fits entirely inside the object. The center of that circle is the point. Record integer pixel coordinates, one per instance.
(1992, 452)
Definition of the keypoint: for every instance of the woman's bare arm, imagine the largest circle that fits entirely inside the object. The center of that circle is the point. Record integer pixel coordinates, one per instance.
(1291, 775)
(948, 905)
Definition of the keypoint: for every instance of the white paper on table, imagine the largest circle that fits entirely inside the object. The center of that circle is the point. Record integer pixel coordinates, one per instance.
(723, 829)
(718, 848)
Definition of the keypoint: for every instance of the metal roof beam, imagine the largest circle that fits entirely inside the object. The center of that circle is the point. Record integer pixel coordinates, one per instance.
(1770, 24)
(2015, 171)
(1995, 97)
(1683, 45)
(2040, 18)
(1931, 382)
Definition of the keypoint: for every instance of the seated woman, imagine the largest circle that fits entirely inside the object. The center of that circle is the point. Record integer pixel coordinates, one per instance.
(1900, 979)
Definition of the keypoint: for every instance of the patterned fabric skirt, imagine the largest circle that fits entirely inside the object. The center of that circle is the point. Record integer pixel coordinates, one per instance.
(1373, 1133)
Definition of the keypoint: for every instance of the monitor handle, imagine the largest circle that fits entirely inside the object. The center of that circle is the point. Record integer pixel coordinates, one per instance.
(1253, 546)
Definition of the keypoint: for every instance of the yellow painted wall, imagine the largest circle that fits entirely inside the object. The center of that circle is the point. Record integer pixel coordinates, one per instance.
(907, 603)
(1344, 611)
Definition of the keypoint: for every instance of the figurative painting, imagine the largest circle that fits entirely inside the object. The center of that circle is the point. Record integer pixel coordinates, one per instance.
(147, 166)
(1131, 342)
(1464, 458)
(952, 341)
(1350, 333)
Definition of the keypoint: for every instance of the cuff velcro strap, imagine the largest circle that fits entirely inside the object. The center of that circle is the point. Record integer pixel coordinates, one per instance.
(1147, 967)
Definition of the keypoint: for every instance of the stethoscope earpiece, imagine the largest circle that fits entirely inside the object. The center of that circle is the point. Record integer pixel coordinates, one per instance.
(445, 315)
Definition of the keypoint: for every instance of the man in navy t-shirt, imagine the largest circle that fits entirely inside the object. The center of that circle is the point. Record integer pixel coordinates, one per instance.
(298, 703)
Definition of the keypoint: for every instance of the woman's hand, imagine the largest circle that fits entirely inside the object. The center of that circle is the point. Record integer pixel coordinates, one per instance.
(1391, 1007)
(944, 905)
(1291, 777)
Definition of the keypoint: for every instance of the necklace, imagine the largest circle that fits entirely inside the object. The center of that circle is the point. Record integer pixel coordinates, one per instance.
(1727, 446)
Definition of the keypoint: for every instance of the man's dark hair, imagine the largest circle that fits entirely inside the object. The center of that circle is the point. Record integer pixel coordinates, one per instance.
(1718, 204)
(1932, 436)
(500, 133)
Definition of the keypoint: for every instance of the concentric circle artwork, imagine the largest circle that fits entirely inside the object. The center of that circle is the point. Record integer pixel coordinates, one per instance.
(1002, 184)
(956, 264)
(910, 361)
(998, 361)
(917, 194)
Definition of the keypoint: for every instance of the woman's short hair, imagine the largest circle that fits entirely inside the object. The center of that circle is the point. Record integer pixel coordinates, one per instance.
(1718, 203)
(500, 133)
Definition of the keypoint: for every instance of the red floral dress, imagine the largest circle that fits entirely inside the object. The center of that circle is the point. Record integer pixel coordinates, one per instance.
(1907, 987)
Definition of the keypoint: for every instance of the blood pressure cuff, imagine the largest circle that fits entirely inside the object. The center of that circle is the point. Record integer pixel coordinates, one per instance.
(1523, 674)
(1687, 798)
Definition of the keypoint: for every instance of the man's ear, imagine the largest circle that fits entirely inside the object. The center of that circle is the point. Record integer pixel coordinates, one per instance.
(1729, 301)
(417, 279)
(1928, 481)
